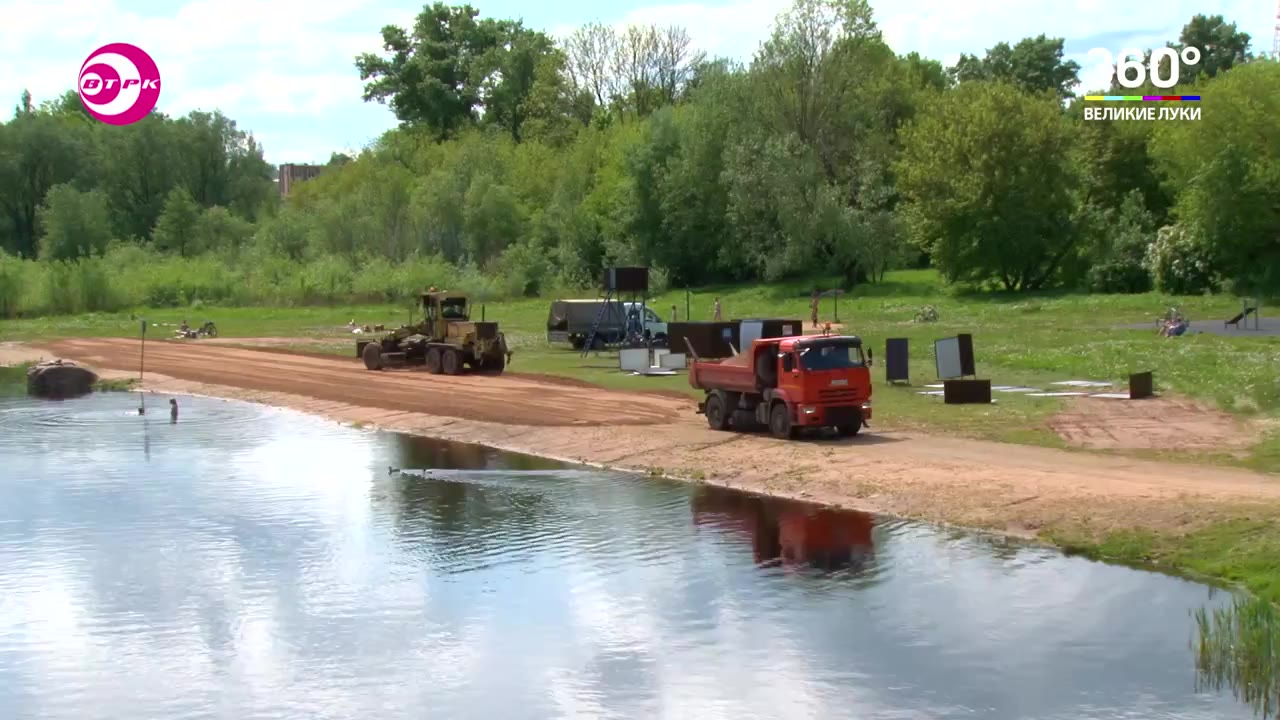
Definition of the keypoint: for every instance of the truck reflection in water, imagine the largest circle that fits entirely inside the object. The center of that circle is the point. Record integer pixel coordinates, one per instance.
(789, 533)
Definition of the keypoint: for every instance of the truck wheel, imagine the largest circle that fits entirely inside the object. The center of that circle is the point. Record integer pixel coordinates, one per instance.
(780, 422)
(450, 362)
(849, 430)
(433, 361)
(494, 364)
(717, 418)
(372, 356)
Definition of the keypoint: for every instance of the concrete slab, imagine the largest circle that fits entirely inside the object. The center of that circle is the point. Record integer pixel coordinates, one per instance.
(1267, 327)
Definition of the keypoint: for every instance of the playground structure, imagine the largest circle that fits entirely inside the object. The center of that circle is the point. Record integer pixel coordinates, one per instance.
(1249, 307)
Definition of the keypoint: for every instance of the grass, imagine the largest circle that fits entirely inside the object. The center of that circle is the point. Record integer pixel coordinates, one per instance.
(1239, 647)
(1032, 339)
(1243, 552)
(13, 381)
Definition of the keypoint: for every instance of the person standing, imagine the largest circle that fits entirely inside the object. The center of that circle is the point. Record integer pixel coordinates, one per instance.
(173, 410)
(813, 307)
(717, 316)
(675, 315)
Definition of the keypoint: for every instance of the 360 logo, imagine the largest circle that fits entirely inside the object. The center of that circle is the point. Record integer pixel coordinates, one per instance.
(119, 84)
(1131, 60)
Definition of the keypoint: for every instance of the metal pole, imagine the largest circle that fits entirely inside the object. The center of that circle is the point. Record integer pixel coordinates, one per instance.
(836, 296)
(142, 364)
(482, 313)
(687, 316)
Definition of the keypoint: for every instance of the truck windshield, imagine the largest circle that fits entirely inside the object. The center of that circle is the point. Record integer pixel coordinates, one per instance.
(453, 309)
(830, 357)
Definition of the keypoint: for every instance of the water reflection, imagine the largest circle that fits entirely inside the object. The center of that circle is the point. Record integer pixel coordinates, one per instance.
(1238, 647)
(789, 533)
(416, 453)
(267, 565)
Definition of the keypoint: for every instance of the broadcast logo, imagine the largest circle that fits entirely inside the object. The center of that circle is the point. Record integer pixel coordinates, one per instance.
(119, 84)
(1132, 72)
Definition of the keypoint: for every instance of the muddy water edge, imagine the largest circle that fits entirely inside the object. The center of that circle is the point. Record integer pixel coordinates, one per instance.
(281, 565)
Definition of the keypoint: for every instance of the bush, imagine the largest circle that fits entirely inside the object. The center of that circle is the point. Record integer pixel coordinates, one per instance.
(1179, 262)
(130, 275)
(11, 285)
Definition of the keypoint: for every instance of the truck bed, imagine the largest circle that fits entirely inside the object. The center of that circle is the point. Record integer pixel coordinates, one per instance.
(735, 374)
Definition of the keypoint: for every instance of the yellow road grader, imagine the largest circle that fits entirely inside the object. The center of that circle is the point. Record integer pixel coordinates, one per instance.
(446, 341)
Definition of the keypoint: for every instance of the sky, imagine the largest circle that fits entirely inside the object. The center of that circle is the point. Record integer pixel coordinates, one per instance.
(284, 69)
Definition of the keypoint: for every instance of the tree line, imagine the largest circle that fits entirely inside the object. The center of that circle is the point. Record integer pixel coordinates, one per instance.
(524, 163)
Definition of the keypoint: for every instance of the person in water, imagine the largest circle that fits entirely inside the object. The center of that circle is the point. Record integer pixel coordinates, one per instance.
(173, 410)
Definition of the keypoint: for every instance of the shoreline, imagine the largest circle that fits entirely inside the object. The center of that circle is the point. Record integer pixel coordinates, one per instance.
(1067, 499)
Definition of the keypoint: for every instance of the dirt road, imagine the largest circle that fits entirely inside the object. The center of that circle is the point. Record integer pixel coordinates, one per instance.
(1010, 488)
(509, 398)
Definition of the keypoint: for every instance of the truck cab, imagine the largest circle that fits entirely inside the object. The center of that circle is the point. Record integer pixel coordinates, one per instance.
(571, 321)
(648, 322)
(789, 384)
(825, 381)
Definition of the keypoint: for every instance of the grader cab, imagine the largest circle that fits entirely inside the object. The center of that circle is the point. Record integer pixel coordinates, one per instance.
(446, 341)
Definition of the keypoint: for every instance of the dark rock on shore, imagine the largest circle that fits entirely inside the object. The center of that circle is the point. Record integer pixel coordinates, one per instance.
(59, 379)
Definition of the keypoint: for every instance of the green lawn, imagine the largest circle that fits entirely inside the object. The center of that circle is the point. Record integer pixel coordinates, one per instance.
(1018, 339)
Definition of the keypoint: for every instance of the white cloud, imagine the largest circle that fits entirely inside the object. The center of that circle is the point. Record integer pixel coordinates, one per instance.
(943, 29)
(277, 64)
(284, 57)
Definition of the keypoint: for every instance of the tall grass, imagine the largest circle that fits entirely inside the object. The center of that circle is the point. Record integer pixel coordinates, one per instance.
(1239, 647)
(131, 276)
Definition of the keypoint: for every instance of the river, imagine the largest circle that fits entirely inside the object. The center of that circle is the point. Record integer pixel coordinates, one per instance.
(246, 562)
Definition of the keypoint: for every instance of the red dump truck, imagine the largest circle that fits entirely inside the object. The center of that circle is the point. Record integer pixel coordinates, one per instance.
(788, 384)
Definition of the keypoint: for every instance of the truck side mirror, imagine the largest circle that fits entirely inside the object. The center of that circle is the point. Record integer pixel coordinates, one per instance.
(870, 357)
(788, 362)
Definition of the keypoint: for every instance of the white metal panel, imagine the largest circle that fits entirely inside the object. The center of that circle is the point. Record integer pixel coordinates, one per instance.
(672, 361)
(748, 332)
(948, 357)
(633, 359)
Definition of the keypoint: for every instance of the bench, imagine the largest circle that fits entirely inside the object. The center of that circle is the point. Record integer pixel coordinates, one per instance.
(1239, 316)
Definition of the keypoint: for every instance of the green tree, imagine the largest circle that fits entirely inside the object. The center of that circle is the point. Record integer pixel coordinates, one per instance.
(141, 163)
(491, 221)
(1033, 64)
(453, 65)
(176, 229)
(433, 74)
(1226, 171)
(221, 164)
(1180, 261)
(73, 224)
(925, 72)
(553, 110)
(989, 185)
(38, 150)
(220, 230)
(1222, 46)
(511, 68)
(1117, 257)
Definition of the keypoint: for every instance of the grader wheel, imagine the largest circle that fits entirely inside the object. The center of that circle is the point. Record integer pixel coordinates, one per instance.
(372, 356)
(434, 361)
(451, 362)
(491, 364)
